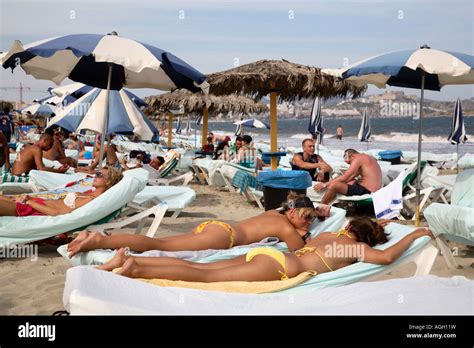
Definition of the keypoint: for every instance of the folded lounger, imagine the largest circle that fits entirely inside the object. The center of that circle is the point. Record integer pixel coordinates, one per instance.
(89, 291)
(454, 221)
(17, 230)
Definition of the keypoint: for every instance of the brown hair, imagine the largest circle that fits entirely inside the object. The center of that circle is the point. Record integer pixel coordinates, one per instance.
(114, 176)
(290, 201)
(368, 231)
(306, 140)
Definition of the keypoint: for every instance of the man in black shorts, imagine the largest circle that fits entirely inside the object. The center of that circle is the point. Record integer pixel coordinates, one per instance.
(361, 165)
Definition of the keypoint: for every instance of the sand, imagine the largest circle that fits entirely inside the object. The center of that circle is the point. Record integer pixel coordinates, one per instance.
(36, 287)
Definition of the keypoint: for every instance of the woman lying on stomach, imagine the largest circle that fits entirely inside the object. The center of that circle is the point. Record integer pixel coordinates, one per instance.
(325, 253)
(289, 225)
(29, 206)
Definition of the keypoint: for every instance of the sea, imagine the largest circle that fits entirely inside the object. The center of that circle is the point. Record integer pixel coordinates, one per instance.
(398, 133)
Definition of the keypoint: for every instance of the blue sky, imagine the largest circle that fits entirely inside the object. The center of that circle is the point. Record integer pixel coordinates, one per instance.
(213, 35)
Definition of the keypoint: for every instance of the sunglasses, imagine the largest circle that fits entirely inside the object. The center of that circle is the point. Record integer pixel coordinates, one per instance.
(100, 175)
(308, 217)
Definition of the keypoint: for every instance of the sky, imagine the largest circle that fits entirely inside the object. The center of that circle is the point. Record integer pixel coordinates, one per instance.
(214, 35)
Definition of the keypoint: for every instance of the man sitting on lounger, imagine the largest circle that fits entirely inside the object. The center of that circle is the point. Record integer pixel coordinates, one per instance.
(361, 165)
(31, 157)
(289, 225)
(322, 254)
(153, 168)
(314, 164)
(30, 206)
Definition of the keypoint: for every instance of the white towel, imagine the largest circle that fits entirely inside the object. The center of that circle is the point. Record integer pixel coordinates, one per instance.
(388, 200)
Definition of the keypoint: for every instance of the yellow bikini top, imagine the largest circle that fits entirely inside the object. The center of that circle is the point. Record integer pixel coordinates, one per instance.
(342, 232)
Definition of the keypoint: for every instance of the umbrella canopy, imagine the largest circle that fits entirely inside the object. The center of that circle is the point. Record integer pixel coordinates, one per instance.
(104, 61)
(316, 121)
(197, 102)
(89, 112)
(239, 130)
(403, 69)
(52, 100)
(38, 109)
(364, 130)
(424, 68)
(458, 132)
(86, 58)
(281, 79)
(199, 120)
(253, 123)
(188, 129)
(291, 81)
(178, 126)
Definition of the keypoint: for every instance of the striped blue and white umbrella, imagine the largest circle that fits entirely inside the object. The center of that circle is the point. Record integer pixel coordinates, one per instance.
(188, 129)
(315, 127)
(74, 91)
(364, 131)
(252, 123)
(423, 68)
(51, 100)
(178, 126)
(38, 109)
(104, 61)
(458, 132)
(239, 130)
(199, 120)
(89, 113)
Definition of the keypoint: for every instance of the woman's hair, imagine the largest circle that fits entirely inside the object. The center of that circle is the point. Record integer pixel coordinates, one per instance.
(114, 176)
(301, 203)
(368, 231)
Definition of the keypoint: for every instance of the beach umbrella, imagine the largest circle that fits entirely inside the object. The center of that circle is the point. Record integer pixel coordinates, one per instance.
(178, 126)
(239, 130)
(89, 113)
(252, 123)
(279, 78)
(105, 61)
(458, 132)
(38, 109)
(187, 128)
(364, 130)
(423, 68)
(203, 105)
(315, 127)
(74, 91)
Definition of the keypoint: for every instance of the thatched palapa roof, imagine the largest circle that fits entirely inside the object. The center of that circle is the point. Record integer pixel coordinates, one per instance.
(290, 80)
(4, 104)
(188, 102)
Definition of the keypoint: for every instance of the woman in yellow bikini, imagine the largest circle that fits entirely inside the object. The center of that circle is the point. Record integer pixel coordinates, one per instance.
(289, 225)
(322, 254)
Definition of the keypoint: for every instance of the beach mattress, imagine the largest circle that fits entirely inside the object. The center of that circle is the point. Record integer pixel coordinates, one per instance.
(17, 230)
(90, 291)
(176, 197)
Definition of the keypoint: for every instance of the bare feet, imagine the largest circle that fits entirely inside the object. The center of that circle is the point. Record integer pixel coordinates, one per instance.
(128, 268)
(91, 242)
(80, 237)
(117, 261)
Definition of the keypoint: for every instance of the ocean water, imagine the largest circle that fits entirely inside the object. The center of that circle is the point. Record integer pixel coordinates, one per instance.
(400, 133)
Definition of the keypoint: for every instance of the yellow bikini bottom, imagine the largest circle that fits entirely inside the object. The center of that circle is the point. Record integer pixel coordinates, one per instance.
(227, 227)
(275, 254)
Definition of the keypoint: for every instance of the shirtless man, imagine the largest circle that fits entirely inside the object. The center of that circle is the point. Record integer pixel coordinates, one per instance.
(4, 152)
(112, 160)
(57, 152)
(308, 161)
(360, 164)
(290, 226)
(31, 157)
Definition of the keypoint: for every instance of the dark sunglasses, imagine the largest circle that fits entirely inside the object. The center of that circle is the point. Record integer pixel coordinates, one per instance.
(100, 175)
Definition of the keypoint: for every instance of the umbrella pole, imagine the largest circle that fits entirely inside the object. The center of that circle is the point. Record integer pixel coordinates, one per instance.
(418, 169)
(170, 129)
(205, 115)
(457, 158)
(106, 119)
(273, 128)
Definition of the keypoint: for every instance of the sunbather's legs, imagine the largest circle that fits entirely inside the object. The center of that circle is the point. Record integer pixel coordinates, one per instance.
(259, 269)
(121, 256)
(7, 208)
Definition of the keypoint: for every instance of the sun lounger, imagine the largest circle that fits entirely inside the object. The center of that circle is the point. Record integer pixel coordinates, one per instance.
(334, 222)
(89, 291)
(454, 221)
(17, 230)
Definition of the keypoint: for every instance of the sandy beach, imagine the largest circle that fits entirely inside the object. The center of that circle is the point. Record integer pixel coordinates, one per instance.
(36, 287)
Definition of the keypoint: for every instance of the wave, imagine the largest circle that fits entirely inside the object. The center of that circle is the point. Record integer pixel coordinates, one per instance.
(411, 138)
